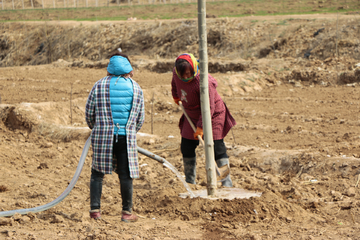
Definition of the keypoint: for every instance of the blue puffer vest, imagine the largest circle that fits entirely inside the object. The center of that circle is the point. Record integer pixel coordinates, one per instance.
(121, 96)
(121, 93)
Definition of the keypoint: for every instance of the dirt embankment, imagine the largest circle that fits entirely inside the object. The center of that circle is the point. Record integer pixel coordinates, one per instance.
(233, 38)
(321, 46)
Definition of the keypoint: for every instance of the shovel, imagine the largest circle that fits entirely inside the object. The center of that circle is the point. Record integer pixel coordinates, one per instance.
(221, 172)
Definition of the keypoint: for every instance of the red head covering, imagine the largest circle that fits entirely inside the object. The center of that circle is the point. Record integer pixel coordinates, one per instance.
(192, 61)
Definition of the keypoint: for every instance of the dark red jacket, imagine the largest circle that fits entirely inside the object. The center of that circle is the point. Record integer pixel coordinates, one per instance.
(189, 94)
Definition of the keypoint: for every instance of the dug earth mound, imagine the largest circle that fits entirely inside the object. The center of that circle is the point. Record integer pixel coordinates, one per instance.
(296, 140)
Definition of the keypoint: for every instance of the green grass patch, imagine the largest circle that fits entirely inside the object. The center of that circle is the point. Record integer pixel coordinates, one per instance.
(238, 8)
(284, 22)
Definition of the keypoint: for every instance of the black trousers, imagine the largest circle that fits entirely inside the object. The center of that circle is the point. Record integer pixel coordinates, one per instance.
(126, 182)
(188, 148)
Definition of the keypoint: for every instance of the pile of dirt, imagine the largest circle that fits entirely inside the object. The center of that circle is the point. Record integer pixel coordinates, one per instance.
(47, 119)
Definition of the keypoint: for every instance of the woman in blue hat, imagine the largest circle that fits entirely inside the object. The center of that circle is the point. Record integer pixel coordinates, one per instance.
(115, 113)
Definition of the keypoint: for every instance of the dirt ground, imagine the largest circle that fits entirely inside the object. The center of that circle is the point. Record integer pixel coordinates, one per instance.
(296, 141)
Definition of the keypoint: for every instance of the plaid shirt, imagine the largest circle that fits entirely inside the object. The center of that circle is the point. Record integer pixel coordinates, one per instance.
(99, 119)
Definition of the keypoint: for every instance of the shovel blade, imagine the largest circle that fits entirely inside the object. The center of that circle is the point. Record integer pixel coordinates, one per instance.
(223, 172)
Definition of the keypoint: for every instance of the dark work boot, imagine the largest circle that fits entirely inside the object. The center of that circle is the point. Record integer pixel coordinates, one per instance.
(190, 169)
(226, 182)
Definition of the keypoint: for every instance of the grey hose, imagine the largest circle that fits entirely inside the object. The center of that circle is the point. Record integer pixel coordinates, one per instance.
(73, 182)
(151, 155)
(62, 196)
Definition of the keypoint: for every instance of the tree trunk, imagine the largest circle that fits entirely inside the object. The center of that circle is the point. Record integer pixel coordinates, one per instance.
(204, 100)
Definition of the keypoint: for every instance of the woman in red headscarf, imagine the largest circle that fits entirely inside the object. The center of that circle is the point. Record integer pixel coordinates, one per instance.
(186, 88)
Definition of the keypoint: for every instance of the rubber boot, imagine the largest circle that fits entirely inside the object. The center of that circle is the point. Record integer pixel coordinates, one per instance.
(190, 169)
(226, 182)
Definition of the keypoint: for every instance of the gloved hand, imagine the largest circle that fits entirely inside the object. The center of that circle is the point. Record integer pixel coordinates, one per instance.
(176, 100)
(198, 132)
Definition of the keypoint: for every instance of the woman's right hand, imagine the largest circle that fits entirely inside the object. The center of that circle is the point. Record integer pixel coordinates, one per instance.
(199, 132)
(177, 100)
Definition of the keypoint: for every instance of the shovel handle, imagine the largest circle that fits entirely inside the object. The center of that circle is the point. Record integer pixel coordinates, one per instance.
(191, 123)
(199, 137)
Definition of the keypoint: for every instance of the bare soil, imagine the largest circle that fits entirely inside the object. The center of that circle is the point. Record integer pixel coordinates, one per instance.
(296, 138)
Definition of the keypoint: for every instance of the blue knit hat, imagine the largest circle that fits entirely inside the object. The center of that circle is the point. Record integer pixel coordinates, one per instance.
(119, 65)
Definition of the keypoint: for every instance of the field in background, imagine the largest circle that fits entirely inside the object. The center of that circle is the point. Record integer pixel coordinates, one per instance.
(16, 10)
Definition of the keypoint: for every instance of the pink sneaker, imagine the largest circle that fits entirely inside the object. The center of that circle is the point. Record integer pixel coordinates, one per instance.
(95, 214)
(128, 217)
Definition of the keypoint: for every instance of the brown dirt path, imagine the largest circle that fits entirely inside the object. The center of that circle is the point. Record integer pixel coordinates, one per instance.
(285, 137)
